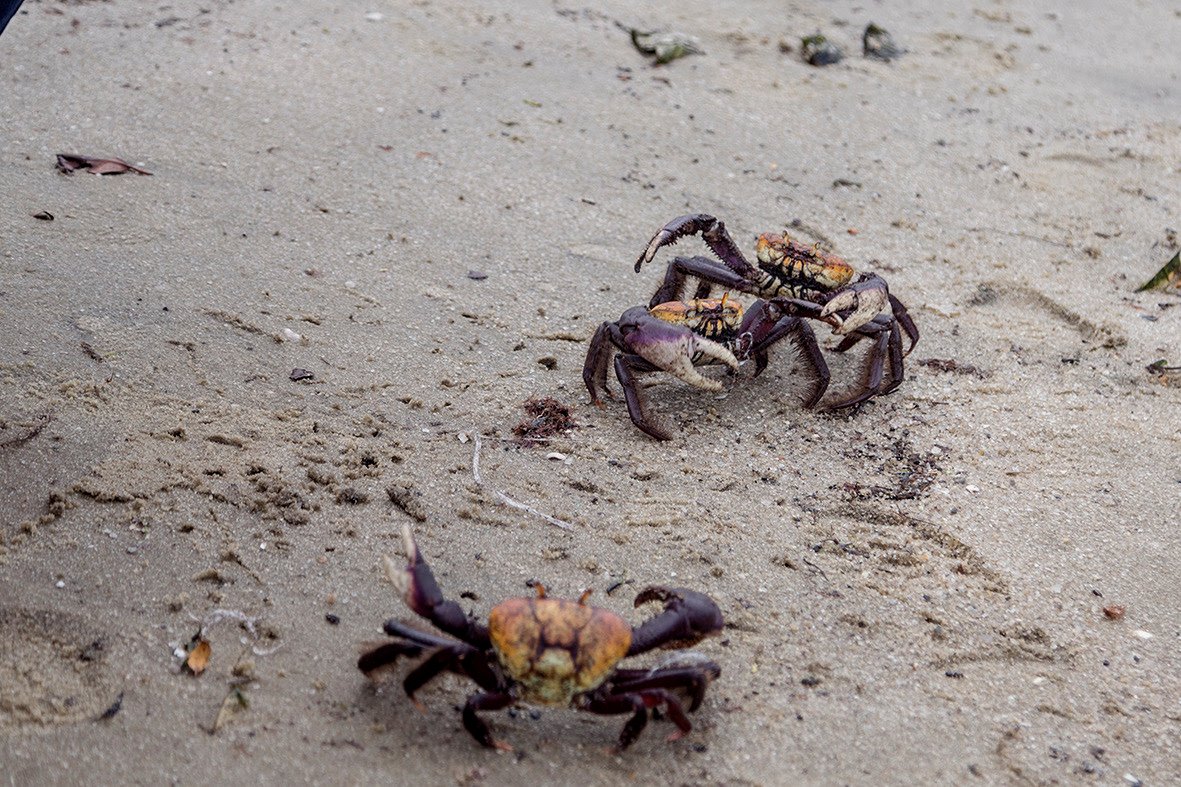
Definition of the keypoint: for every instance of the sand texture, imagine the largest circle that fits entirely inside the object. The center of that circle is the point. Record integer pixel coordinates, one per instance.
(429, 207)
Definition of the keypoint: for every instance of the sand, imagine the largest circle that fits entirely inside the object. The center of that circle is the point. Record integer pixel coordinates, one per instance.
(913, 591)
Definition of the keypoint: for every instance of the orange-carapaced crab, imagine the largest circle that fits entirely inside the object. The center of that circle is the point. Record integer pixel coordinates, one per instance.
(678, 336)
(552, 651)
(820, 284)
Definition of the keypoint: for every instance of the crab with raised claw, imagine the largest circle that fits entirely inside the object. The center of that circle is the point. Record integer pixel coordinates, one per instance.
(822, 285)
(678, 336)
(551, 651)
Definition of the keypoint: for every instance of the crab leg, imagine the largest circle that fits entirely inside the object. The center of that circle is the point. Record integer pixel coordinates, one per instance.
(897, 375)
(873, 369)
(476, 726)
(638, 703)
(458, 658)
(904, 318)
(693, 680)
(708, 272)
(598, 357)
(387, 654)
(627, 368)
(807, 349)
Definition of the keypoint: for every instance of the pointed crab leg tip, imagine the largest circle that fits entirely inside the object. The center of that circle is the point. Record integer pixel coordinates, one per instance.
(408, 544)
(397, 574)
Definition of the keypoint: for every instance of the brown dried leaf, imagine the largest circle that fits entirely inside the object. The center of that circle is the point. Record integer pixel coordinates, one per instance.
(69, 162)
(199, 657)
(1114, 611)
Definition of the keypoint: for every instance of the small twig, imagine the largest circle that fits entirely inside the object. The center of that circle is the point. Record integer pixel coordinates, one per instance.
(812, 565)
(504, 498)
(476, 461)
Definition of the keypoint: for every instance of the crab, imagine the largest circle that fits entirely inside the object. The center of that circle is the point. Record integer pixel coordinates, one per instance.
(552, 652)
(822, 285)
(678, 336)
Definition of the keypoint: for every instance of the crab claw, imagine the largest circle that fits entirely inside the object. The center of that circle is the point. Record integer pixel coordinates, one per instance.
(416, 583)
(675, 230)
(865, 298)
(688, 618)
(673, 347)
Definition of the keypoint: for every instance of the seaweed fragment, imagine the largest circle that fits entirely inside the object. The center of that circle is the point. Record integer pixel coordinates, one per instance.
(1167, 277)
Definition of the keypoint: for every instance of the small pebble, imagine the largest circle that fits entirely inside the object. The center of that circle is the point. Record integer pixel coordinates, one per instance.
(375, 16)
(59, 584)
(291, 335)
(1142, 634)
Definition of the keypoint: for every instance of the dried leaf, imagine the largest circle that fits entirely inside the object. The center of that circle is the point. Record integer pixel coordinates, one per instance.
(1166, 277)
(199, 656)
(1114, 611)
(69, 162)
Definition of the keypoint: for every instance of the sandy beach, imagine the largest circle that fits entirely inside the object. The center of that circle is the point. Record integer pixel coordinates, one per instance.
(373, 231)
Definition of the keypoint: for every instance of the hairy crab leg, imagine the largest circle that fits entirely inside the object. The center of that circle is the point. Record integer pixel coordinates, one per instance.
(627, 369)
(598, 358)
(904, 318)
(872, 375)
(807, 349)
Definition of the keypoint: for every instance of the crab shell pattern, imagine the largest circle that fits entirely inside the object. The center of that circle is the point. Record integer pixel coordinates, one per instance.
(556, 648)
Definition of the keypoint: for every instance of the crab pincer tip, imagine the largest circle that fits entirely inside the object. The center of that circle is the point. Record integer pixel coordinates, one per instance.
(397, 574)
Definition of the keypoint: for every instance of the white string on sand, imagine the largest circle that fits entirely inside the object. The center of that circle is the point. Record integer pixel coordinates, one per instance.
(508, 500)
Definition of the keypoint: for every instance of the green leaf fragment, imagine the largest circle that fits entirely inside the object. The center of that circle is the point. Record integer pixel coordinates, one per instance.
(1166, 277)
